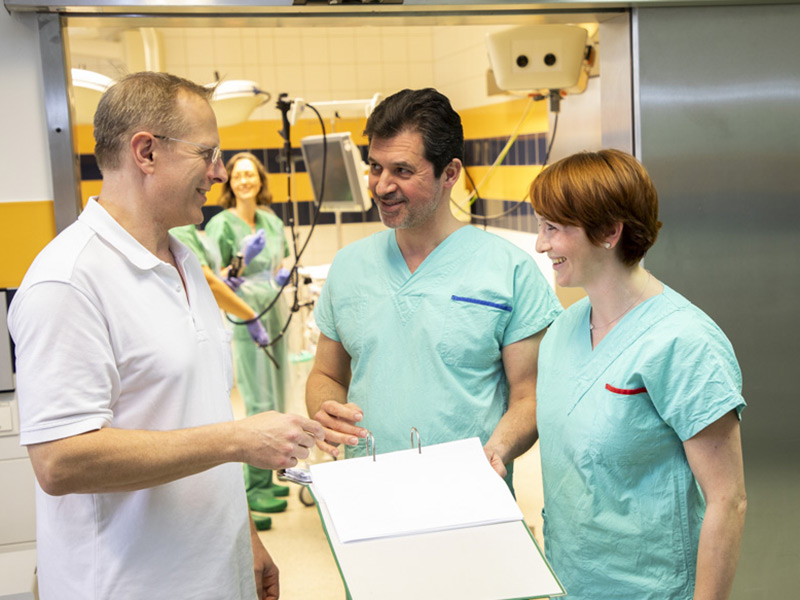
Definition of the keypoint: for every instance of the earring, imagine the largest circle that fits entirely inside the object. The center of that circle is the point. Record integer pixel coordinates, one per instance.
(608, 245)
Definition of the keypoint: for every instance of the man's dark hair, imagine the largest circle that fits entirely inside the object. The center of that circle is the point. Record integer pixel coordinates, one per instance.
(427, 112)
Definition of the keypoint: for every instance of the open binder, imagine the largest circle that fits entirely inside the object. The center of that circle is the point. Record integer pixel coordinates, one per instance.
(428, 523)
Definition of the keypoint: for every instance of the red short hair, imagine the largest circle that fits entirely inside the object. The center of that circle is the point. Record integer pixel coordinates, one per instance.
(597, 190)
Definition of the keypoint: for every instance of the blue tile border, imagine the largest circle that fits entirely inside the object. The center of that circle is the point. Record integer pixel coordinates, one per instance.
(528, 149)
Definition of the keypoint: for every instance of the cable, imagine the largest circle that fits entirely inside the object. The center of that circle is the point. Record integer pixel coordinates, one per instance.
(474, 187)
(552, 139)
(477, 196)
(293, 271)
(516, 205)
(501, 157)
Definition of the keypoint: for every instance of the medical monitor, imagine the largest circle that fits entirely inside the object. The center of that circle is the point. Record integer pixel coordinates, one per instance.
(345, 173)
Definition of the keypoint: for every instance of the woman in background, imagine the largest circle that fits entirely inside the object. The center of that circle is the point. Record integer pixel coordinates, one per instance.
(638, 402)
(260, 380)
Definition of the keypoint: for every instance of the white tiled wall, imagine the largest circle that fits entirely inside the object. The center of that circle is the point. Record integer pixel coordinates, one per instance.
(320, 63)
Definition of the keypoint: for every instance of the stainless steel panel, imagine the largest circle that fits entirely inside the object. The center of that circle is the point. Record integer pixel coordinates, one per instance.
(168, 7)
(63, 156)
(616, 92)
(719, 100)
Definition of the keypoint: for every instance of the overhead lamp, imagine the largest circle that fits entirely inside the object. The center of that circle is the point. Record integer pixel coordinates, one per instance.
(235, 100)
(336, 108)
(87, 88)
(537, 57)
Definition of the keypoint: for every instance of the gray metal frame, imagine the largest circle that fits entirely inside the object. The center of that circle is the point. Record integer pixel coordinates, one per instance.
(172, 7)
(711, 108)
(58, 106)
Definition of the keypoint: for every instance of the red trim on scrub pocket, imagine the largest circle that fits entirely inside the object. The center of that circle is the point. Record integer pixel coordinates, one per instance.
(632, 392)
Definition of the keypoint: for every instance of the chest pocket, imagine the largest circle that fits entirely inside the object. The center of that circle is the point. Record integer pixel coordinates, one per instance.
(472, 332)
(626, 428)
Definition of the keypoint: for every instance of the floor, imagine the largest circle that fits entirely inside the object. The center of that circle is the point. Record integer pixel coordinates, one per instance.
(297, 542)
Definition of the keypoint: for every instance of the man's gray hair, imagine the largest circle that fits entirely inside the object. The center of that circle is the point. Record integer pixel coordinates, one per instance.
(143, 101)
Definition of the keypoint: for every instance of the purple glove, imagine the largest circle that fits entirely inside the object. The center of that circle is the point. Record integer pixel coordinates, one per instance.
(233, 282)
(258, 333)
(282, 276)
(253, 245)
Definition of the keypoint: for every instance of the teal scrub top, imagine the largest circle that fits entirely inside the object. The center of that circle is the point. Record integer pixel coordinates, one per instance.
(622, 510)
(425, 348)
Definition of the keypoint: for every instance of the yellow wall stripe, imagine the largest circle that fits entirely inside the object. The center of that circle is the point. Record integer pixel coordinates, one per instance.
(505, 183)
(25, 228)
(497, 120)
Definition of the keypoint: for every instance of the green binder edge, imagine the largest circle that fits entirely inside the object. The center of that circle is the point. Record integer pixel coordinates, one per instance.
(328, 537)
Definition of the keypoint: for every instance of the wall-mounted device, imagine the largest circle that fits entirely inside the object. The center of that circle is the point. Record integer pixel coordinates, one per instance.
(345, 172)
(537, 57)
(6, 369)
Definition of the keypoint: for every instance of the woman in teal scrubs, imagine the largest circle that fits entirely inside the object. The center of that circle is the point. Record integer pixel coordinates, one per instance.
(260, 381)
(638, 402)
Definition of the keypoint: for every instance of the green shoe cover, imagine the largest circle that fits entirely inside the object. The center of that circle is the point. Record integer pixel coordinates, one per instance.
(279, 490)
(265, 502)
(262, 522)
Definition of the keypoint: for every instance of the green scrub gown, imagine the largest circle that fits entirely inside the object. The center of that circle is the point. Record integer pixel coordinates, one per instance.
(622, 509)
(261, 385)
(206, 253)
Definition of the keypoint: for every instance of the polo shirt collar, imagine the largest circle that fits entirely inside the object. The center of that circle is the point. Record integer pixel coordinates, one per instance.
(104, 225)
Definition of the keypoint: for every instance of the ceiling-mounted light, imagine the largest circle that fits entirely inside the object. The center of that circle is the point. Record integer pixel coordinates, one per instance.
(537, 57)
(235, 100)
(336, 108)
(87, 88)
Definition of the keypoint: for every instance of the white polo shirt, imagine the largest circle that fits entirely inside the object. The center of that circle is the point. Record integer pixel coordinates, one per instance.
(106, 337)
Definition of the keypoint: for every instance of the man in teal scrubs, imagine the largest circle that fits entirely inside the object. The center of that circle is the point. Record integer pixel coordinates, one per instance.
(431, 324)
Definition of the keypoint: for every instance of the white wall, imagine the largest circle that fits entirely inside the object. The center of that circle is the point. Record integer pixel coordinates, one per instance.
(24, 154)
(314, 63)
(25, 172)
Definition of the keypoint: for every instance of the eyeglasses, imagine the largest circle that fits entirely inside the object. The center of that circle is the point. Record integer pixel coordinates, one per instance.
(211, 154)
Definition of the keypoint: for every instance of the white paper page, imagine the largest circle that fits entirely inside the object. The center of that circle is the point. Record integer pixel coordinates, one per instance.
(489, 561)
(447, 486)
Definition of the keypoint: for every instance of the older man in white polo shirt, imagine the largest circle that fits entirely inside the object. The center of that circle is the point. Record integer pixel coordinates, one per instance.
(124, 376)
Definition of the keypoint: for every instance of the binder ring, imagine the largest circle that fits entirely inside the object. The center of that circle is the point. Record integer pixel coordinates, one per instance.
(371, 443)
(414, 432)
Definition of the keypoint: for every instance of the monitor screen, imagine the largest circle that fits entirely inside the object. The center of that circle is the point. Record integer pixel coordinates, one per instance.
(345, 173)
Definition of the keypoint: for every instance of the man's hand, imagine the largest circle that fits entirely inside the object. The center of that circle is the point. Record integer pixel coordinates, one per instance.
(265, 569)
(339, 421)
(496, 461)
(272, 440)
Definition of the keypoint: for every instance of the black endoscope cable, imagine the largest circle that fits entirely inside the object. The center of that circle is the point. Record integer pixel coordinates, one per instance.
(293, 271)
